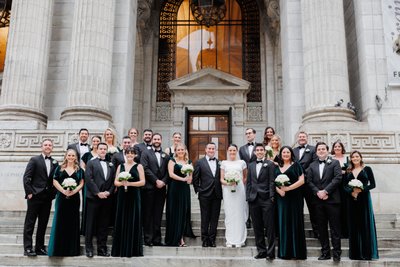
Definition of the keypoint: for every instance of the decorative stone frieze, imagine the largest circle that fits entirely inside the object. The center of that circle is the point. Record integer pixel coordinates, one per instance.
(254, 112)
(163, 111)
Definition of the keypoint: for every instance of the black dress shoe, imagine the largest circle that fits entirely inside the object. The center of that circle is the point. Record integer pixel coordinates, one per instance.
(261, 255)
(212, 244)
(270, 258)
(149, 244)
(159, 244)
(89, 254)
(248, 224)
(336, 258)
(103, 253)
(324, 257)
(41, 252)
(205, 244)
(29, 253)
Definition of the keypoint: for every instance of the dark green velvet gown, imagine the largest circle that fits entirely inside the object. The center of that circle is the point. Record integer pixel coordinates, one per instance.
(292, 239)
(64, 237)
(363, 243)
(127, 238)
(178, 210)
(344, 231)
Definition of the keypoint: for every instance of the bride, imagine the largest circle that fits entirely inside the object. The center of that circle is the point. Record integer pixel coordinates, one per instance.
(234, 196)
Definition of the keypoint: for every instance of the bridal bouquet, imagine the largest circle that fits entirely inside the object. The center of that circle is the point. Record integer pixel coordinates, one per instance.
(187, 169)
(282, 180)
(355, 183)
(232, 178)
(69, 184)
(269, 153)
(124, 176)
(112, 150)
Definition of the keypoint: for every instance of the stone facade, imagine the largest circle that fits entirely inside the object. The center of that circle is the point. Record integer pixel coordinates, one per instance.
(94, 63)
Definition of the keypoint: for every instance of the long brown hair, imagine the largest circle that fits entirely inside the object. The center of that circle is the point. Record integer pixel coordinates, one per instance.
(65, 161)
(266, 139)
(351, 165)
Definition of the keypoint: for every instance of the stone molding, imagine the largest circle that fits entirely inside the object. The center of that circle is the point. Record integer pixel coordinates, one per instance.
(254, 112)
(163, 111)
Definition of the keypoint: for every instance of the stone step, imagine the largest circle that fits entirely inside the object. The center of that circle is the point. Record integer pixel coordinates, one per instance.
(192, 261)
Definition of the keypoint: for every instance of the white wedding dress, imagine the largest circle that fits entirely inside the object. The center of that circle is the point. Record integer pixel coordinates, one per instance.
(235, 206)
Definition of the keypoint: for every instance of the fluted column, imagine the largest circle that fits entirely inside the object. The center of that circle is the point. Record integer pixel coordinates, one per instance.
(89, 79)
(325, 61)
(25, 73)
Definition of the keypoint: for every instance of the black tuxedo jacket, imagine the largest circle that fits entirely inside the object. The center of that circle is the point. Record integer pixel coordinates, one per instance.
(118, 159)
(36, 179)
(263, 186)
(244, 154)
(308, 156)
(77, 148)
(139, 149)
(204, 182)
(152, 171)
(95, 180)
(330, 182)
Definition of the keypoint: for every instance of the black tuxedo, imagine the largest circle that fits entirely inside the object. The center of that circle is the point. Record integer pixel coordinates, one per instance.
(260, 192)
(209, 190)
(327, 210)
(305, 161)
(77, 148)
(244, 154)
(98, 210)
(118, 159)
(40, 185)
(139, 149)
(153, 198)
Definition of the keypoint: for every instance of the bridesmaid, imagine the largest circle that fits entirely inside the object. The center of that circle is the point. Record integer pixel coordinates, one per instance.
(64, 237)
(338, 152)
(276, 144)
(268, 133)
(133, 134)
(110, 137)
(292, 240)
(176, 139)
(363, 243)
(178, 199)
(128, 240)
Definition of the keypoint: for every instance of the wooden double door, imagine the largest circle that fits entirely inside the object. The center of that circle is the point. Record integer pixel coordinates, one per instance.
(203, 128)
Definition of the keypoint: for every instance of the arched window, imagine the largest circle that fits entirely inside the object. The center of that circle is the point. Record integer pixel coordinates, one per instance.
(232, 46)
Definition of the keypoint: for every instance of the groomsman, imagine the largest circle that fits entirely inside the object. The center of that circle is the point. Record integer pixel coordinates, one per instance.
(246, 153)
(82, 146)
(206, 182)
(260, 192)
(155, 164)
(99, 181)
(119, 158)
(324, 178)
(305, 154)
(146, 145)
(39, 193)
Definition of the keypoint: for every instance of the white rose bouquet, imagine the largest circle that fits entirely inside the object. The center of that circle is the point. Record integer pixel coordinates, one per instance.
(357, 187)
(69, 184)
(187, 169)
(232, 178)
(269, 152)
(124, 176)
(282, 180)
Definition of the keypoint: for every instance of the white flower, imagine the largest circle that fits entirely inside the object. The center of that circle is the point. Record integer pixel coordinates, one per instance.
(232, 177)
(269, 152)
(124, 176)
(187, 169)
(355, 183)
(55, 161)
(163, 155)
(282, 180)
(265, 165)
(69, 183)
(112, 150)
(329, 161)
(307, 150)
(110, 164)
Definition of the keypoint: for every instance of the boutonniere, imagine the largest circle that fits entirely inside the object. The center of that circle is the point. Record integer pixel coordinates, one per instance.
(265, 165)
(163, 155)
(329, 161)
(307, 150)
(219, 162)
(110, 164)
(55, 161)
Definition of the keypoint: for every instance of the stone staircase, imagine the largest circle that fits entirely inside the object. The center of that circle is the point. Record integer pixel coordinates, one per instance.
(11, 248)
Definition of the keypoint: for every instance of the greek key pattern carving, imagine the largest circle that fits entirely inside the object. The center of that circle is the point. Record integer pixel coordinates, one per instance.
(373, 142)
(34, 141)
(163, 112)
(254, 113)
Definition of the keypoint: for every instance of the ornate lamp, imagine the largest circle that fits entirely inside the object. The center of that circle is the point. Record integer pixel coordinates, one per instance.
(208, 12)
(5, 8)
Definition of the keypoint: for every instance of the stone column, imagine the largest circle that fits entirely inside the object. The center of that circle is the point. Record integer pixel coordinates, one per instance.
(325, 61)
(89, 78)
(25, 74)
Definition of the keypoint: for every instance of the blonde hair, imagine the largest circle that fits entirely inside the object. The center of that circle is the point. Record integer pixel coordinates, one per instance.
(65, 161)
(114, 141)
(186, 156)
(279, 141)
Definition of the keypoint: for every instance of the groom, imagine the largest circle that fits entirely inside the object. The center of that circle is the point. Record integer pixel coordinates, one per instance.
(208, 186)
(260, 191)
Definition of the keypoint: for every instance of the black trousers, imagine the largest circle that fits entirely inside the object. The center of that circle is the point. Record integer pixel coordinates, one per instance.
(38, 208)
(262, 214)
(97, 220)
(209, 211)
(309, 197)
(327, 212)
(153, 201)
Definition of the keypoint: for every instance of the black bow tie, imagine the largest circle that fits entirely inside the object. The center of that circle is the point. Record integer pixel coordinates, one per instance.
(321, 161)
(148, 145)
(250, 144)
(260, 161)
(211, 159)
(47, 157)
(82, 144)
(157, 151)
(102, 159)
(300, 147)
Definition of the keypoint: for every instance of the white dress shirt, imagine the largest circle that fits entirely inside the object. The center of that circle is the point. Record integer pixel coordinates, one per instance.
(158, 155)
(105, 169)
(258, 167)
(212, 164)
(48, 164)
(83, 149)
(321, 169)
